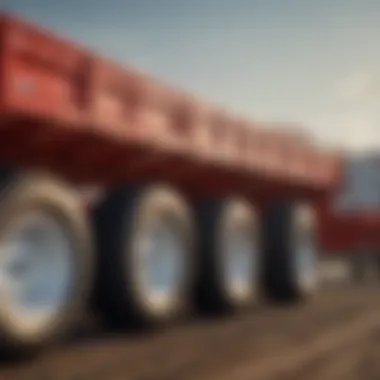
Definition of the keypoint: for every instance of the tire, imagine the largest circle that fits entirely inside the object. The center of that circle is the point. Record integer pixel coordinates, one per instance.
(123, 222)
(290, 272)
(35, 206)
(221, 223)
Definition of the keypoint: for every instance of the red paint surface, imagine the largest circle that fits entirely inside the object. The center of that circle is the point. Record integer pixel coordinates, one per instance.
(67, 110)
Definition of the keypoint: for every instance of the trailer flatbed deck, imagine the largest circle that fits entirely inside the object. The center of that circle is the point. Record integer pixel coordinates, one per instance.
(69, 109)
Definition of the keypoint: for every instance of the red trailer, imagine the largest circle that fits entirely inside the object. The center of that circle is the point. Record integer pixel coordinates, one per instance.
(340, 232)
(193, 207)
(350, 216)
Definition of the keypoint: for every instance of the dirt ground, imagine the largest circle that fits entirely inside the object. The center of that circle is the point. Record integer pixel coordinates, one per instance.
(337, 336)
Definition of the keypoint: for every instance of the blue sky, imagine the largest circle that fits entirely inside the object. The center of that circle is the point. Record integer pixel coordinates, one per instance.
(311, 62)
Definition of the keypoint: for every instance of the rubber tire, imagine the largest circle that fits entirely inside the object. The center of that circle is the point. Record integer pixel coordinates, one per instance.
(21, 192)
(281, 224)
(118, 220)
(213, 215)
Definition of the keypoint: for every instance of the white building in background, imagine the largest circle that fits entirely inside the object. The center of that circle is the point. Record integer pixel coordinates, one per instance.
(361, 190)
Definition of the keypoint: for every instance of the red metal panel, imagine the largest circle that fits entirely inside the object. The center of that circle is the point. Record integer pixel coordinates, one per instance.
(243, 144)
(280, 157)
(2, 61)
(138, 110)
(207, 131)
(283, 158)
(341, 231)
(292, 158)
(217, 133)
(43, 74)
(114, 94)
(262, 149)
(330, 170)
(179, 133)
(115, 110)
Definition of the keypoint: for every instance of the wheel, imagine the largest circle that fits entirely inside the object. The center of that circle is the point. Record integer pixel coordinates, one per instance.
(290, 259)
(145, 240)
(45, 262)
(229, 254)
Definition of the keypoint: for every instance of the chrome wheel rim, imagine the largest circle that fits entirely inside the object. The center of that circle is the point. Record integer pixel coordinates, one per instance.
(240, 262)
(306, 260)
(164, 260)
(36, 270)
